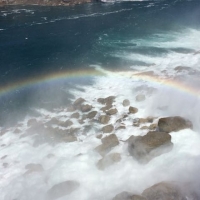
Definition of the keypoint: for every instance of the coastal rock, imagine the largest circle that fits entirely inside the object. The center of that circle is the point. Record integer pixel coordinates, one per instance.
(108, 101)
(108, 160)
(92, 114)
(32, 122)
(70, 109)
(133, 110)
(169, 124)
(154, 143)
(170, 191)
(32, 167)
(67, 123)
(107, 107)
(126, 102)
(112, 111)
(128, 196)
(62, 189)
(108, 129)
(70, 138)
(75, 115)
(86, 108)
(140, 97)
(78, 102)
(107, 144)
(104, 119)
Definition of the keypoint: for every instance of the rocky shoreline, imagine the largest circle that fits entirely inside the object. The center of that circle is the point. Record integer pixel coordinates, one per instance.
(44, 2)
(101, 116)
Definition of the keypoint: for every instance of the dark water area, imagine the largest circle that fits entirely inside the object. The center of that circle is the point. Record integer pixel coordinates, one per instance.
(36, 41)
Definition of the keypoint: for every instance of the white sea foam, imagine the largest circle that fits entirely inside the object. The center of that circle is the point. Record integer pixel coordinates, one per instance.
(77, 160)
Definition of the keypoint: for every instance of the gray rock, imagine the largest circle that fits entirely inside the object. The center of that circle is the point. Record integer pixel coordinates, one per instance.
(133, 110)
(107, 107)
(108, 160)
(69, 138)
(140, 97)
(78, 102)
(86, 108)
(169, 124)
(108, 129)
(104, 119)
(128, 196)
(126, 102)
(66, 123)
(108, 101)
(75, 115)
(107, 144)
(112, 111)
(92, 114)
(71, 109)
(146, 147)
(32, 122)
(62, 189)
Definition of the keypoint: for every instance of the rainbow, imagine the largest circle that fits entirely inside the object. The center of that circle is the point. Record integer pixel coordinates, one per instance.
(96, 72)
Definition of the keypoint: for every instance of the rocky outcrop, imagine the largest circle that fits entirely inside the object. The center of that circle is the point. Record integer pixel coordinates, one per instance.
(146, 147)
(128, 196)
(133, 110)
(104, 119)
(169, 124)
(107, 144)
(108, 129)
(108, 160)
(62, 189)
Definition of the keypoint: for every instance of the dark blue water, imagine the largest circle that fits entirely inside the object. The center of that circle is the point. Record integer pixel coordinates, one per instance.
(36, 40)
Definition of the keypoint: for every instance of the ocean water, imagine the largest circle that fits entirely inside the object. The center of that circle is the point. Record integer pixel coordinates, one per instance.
(50, 56)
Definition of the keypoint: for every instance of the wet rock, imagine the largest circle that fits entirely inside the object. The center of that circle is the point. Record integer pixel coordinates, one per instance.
(62, 189)
(104, 119)
(108, 101)
(101, 100)
(143, 120)
(107, 144)
(73, 130)
(17, 131)
(32, 122)
(140, 97)
(32, 167)
(53, 121)
(146, 147)
(121, 127)
(92, 114)
(144, 128)
(126, 102)
(107, 107)
(70, 138)
(128, 196)
(75, 115)
(169, 124)
(112, 111)
(99, 136)
(86, 108)
(66, 123)
(81, 121)
(108, 160)
(153, 126)
(78, 102)
(170, 191)
(133, 110)
(108, 129)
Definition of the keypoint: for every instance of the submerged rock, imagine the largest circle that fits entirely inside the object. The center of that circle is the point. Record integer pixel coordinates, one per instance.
(169, 124)
(32, 167)
(75, 115)
(32, 122)
(126, 102)
(112, 111)
(66, 124)
(62, 189)
(108, 129)
(140, 97)
(86, 108)
(107, 144)
(108, 160)
(78, 102)
(154, 143)
(128, 196)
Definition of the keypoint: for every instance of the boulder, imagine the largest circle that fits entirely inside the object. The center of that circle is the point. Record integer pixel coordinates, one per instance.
(75, 115)
(108, 129)
(107, 107)
(153, 126)
(112, 111)
(140, 97)
(154, 143)
(104, 119)
(133, 110)
(101, 100)
(92, 114)
(78, 102)
(86, 108)
(108, 160)
(170, 191)
(128, 196)
(70, 138)
(62, 189)
(169, 124)
(126, 102)
(71, 109)
(107, 144)
(108, 101)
